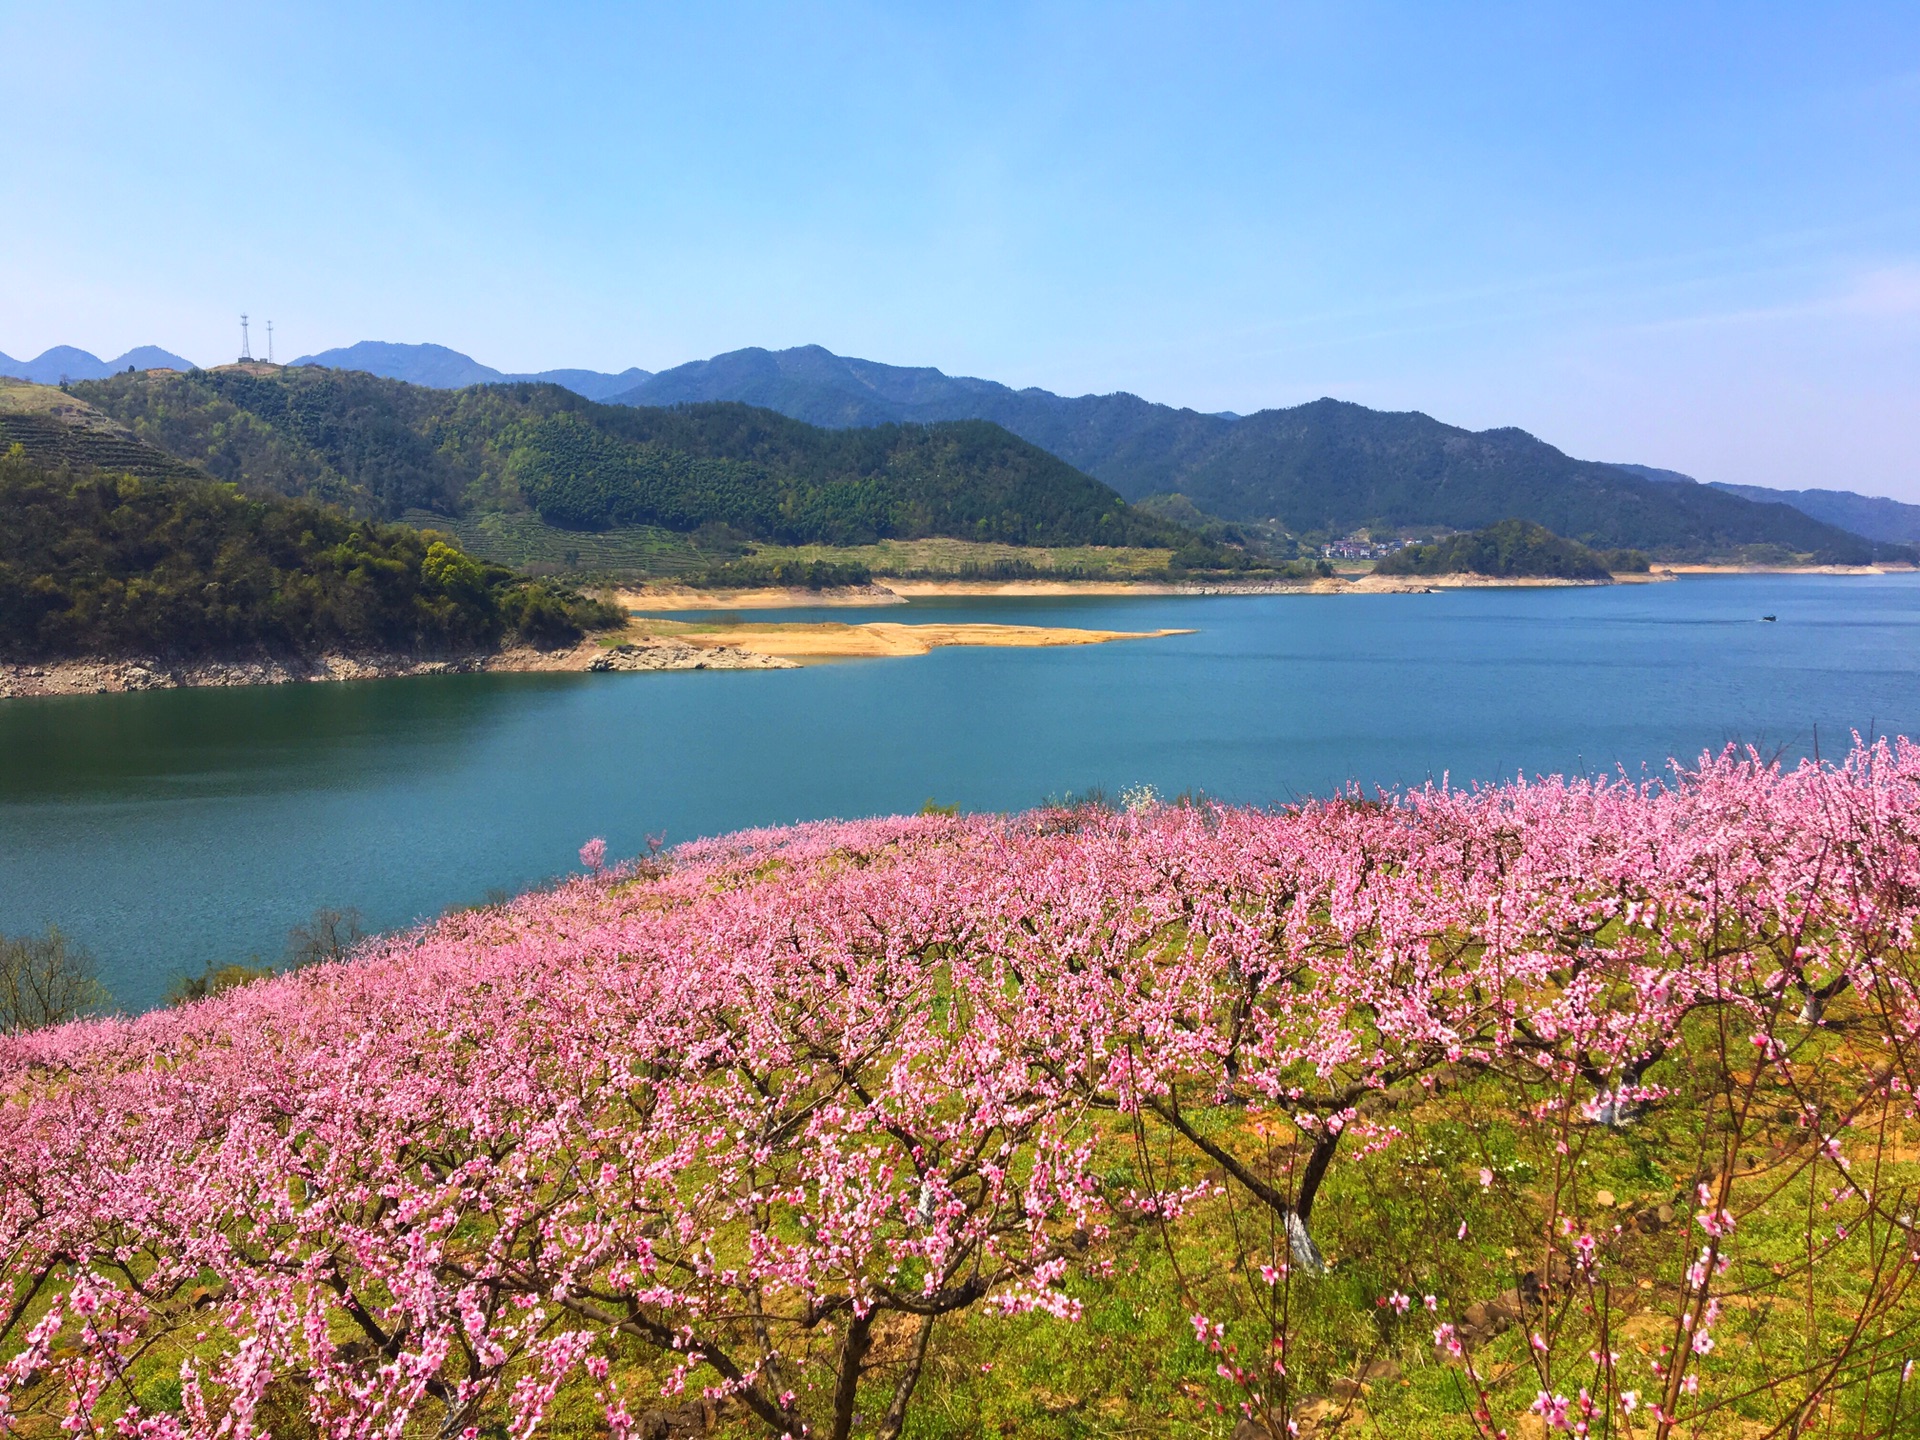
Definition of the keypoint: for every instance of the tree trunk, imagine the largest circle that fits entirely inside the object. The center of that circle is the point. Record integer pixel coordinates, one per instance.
(846, 1389)
(896, 1417)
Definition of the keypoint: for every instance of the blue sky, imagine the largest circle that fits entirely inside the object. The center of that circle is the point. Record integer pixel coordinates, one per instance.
(1679, 234)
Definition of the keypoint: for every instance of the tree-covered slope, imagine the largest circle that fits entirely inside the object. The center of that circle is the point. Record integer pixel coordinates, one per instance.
(1335, 466)
(102, 564)
(383, 447)
(1324, 466)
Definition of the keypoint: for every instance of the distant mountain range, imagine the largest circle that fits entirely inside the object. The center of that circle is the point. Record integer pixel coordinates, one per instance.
(439, 368)
(63, 362)
(1873, 516)
(1323, 466)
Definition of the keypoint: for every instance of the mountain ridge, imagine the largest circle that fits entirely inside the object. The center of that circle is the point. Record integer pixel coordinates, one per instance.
(1327, 466)
(439, 368)
(385, 447)
(1877, 517)
(1322, 467)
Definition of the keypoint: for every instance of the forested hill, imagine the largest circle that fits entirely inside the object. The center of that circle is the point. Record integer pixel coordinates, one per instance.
(1324, 466)
(383, 447)
(1511, 549)
(93, 563)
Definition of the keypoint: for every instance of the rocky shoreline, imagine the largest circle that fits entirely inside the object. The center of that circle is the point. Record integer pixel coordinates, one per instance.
(114, 675)
(679, 655)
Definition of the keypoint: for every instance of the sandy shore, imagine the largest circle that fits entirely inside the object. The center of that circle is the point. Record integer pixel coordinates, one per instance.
(879, 639)
(668, 599)
(1429, 584)
(1678, 569)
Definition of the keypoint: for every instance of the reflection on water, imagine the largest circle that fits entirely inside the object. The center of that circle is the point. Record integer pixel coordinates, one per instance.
(168, 828)
(247, 740)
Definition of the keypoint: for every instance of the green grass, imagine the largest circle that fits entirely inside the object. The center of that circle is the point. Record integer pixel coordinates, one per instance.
(1131, 1366)
(952, 559)
(526, 542)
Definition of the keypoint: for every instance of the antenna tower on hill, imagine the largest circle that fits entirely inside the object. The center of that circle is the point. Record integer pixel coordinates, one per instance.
(270, 342)
(246, 345)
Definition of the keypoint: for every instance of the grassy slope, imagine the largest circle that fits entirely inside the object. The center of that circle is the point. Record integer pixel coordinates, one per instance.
(1131, 1364)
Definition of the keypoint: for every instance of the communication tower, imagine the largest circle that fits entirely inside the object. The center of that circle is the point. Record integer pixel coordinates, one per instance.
(270, 342)
(246, 345)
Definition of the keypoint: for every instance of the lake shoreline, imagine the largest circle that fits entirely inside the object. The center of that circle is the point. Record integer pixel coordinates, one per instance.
(114, 675)
(162, 832)
(662, 647)
(778, 646)
(887, 591)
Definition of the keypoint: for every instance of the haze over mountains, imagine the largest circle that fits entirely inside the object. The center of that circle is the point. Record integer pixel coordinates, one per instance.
(1323, 466)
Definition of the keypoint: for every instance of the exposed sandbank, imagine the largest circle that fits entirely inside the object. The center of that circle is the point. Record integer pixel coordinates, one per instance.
(665, 599)
(831, 640)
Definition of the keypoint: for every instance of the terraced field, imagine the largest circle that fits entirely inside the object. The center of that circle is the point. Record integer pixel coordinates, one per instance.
(63, 433)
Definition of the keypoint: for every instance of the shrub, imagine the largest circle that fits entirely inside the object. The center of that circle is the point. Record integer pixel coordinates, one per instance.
(45, 980)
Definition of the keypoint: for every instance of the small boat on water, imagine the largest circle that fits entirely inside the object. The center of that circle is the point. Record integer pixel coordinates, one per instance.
(1767, 617)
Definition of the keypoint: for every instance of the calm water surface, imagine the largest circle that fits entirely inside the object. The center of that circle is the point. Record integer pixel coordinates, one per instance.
(167, 829)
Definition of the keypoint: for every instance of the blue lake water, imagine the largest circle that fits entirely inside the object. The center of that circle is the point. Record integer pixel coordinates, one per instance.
(166, 829)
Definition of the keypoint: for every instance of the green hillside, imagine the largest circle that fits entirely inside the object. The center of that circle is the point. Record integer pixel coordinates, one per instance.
(1510, 549)
(382, 447)
(101, 564)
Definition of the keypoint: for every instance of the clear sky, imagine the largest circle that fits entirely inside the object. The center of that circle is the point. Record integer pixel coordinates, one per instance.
(1680, 234)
